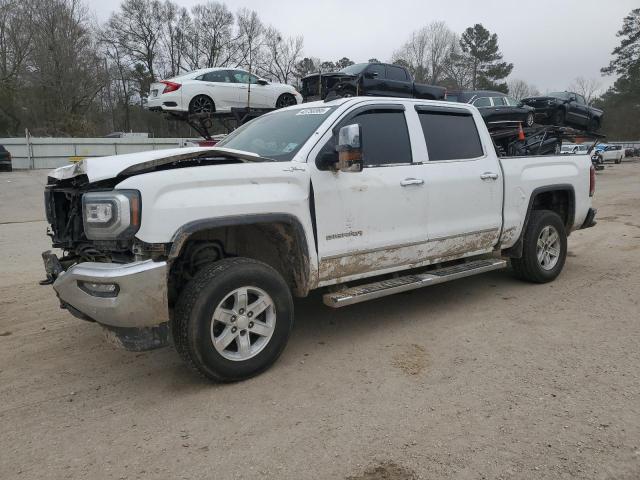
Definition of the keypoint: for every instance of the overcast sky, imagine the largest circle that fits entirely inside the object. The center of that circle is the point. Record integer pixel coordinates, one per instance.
(550, 42)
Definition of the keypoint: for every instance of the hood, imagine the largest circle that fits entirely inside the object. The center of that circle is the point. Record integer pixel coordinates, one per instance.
(103, 168)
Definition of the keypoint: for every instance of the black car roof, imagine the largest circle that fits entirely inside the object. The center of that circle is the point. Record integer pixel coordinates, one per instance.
(466, 95)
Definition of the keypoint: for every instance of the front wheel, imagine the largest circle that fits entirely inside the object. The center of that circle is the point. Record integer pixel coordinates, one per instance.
(544, 249)
(233, 319)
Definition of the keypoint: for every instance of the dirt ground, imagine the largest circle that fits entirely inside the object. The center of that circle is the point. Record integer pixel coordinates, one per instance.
(483, 378)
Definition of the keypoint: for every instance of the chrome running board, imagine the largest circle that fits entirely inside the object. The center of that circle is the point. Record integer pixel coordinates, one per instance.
(362, 293)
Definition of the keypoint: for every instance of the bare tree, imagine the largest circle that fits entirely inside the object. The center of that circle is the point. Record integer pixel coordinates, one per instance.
(459, 67)
(282, 55)
(139, 25)
(65, 72)
(177, 24)
(520, 89)
(588, 88)
(427, 52)
(211, 41)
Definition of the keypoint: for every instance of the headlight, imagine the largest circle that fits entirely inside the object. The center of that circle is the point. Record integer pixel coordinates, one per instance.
(111, 215)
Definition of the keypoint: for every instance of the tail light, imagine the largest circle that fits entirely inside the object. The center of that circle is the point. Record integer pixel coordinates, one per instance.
(170, 86)
(592, 181)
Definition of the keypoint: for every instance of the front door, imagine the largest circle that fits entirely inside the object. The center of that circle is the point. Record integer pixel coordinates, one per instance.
(259, 96)
(373, 220)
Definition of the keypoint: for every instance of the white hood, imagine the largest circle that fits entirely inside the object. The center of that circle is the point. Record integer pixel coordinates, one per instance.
(102, 168)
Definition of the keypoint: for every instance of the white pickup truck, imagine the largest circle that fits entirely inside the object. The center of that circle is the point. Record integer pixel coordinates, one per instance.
(361, 197)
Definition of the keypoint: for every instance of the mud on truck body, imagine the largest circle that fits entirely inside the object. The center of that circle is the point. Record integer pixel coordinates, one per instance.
(360, 197)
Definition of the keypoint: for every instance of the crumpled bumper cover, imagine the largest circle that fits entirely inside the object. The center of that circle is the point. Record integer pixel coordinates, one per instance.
(141, 299)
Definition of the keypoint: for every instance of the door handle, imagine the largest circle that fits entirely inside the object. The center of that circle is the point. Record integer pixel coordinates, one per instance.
(489, 176)
(411, 181)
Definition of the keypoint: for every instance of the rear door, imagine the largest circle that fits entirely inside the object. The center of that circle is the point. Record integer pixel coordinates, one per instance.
(372, 221)
(463, 183)
(220, 87)
(398, 84)
(260, 95)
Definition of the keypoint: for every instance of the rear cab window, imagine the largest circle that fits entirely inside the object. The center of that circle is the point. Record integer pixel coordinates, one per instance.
(450, 134)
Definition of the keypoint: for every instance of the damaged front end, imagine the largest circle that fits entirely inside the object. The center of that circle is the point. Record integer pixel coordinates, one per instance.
(117, 282)
(320, 85)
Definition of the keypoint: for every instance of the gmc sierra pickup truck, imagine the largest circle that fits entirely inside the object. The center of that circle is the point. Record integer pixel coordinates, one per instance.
(368, 79)
(360, 197)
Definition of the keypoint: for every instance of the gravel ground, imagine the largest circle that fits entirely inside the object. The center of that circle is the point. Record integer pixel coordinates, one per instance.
(486, 377)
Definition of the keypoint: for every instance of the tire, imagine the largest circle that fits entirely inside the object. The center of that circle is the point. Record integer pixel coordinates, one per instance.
(345, 93)
(594, 125)
(530, 119)
(201, 104)
(530, 267)
(286, 100)
(559, 117)
(210, 294)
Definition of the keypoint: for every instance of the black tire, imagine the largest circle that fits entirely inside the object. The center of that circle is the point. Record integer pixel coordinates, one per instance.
(594, 125)
(201, 104)
(194, 315)
(285, 100)
(530, 119)
(559, 117)
(528, 267)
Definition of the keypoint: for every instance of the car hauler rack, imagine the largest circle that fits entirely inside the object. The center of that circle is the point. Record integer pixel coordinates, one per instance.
(204, 122)
(512, 140)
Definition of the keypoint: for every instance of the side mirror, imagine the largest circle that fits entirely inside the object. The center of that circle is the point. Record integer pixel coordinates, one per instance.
(262, 81)
(350, 149)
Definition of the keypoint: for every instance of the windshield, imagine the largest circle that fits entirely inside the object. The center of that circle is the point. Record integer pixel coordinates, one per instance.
(279, 135)
(562, 95)
(354, 69)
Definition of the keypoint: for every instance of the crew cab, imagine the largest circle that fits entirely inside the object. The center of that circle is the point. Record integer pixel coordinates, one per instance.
(359, 197)
(368, 79)
(566, 108)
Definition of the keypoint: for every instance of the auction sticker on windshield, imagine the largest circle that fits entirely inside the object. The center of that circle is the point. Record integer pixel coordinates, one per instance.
(313, 111)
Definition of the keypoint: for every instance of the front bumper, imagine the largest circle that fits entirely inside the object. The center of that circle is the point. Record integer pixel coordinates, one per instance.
(140, 300)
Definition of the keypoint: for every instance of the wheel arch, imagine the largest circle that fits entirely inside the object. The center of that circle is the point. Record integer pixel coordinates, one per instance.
(277, 239)
(560, 198)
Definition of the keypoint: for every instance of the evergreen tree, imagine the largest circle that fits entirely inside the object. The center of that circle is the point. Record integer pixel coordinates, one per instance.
(481, 47)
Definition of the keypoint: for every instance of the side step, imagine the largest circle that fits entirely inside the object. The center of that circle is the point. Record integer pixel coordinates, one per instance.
(362, 293)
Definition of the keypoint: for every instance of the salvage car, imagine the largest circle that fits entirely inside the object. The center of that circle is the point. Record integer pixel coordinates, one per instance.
(360, 197)
(219, 90)
(566, 108)
(608, 153)
(574, 149)
(5, 160)
(495, 107)
(368, 79)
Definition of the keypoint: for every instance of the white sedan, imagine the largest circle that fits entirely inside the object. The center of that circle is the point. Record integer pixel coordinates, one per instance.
(218, 90)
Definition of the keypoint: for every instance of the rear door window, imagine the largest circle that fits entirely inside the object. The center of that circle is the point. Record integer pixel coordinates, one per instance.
(450, 135)
(219, 76)
(499, 102)
(396, 73)
(482, 102)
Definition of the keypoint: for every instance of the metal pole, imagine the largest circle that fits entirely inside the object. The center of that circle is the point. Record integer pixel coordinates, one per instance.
(29, 151)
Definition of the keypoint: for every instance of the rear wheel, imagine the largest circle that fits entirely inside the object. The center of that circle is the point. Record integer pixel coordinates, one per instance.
(285, 100)
(201, 104)
(233, 319)
(544, 248)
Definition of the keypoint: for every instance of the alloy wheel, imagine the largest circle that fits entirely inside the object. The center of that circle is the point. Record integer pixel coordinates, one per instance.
(243, 323)
(548, 248)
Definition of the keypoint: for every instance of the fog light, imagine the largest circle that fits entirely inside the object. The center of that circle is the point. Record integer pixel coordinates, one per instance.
(106, 290)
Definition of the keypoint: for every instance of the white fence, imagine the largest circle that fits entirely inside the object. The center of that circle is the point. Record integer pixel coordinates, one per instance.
(42, 152)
